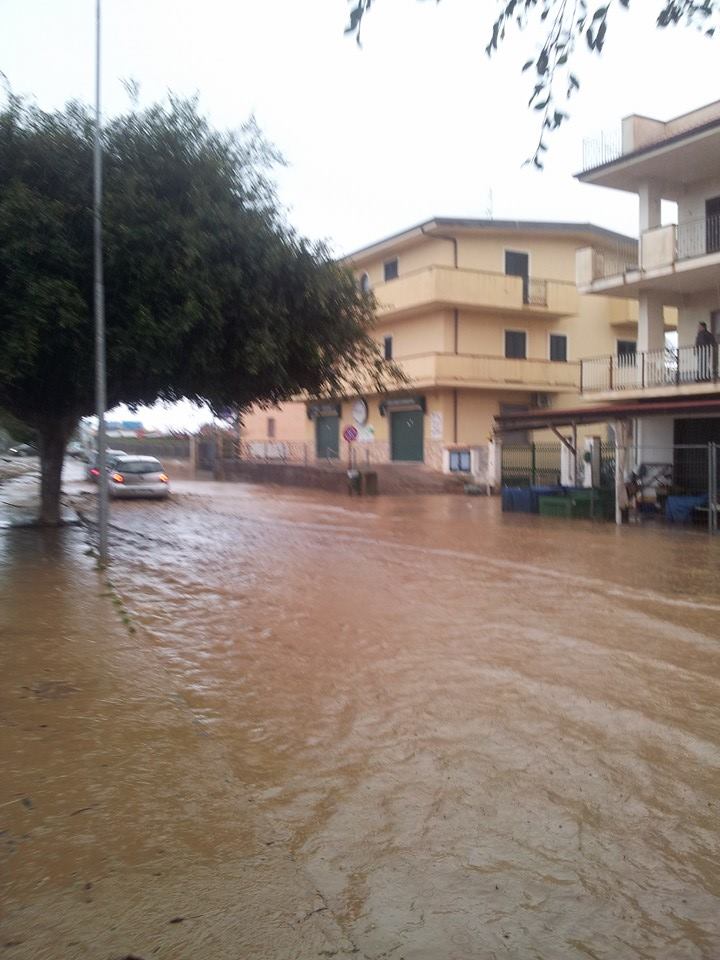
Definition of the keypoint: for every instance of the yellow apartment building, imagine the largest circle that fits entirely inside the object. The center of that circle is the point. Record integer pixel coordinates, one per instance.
(485, 319)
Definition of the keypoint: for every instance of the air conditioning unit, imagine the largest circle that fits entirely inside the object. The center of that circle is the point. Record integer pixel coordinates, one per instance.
(541, 401)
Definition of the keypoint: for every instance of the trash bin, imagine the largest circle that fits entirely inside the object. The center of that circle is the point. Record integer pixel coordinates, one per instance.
(354, 480)
(370, 483)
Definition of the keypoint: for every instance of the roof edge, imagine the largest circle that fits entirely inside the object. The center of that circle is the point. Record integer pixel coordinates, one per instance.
(470, 223)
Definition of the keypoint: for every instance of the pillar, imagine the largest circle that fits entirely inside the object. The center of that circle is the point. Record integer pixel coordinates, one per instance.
(623, 439)
(494, 468)
(651, 324)
(650, 209)
(591, 462)
(567, 467)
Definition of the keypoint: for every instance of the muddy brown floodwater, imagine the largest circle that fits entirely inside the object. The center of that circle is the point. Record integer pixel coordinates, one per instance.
(397, 728)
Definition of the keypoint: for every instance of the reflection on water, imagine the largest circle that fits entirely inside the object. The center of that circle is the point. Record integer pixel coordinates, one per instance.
(473, 735)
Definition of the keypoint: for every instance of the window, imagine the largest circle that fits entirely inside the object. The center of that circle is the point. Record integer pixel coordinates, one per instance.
(271, 427)
(388, 348)
(516, 344)
(558, 347)
(390, 269)
(626, 348)
(365, 283)
(517, 264)
(459, 461)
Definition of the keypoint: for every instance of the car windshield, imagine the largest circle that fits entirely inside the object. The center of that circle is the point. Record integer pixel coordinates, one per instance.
(139, 466)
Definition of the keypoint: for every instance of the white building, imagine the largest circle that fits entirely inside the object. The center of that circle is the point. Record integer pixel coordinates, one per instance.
(672, 265)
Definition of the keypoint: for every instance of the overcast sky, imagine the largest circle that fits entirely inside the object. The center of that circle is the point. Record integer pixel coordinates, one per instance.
(417, 123)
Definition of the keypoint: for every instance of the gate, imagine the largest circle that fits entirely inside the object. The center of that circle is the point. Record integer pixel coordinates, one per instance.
(206, 451)
(530, 464)
(327, 438)
(406, 435)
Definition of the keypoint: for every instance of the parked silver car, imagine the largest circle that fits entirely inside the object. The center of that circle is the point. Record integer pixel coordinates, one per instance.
(138, 477)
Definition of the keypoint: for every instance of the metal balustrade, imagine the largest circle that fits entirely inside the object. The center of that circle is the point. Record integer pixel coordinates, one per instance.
(654, 368)
(695, 238)
(536, 292)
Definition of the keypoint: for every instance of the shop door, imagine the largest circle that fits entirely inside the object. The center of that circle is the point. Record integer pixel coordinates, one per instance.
(327, 438)
(406, 431)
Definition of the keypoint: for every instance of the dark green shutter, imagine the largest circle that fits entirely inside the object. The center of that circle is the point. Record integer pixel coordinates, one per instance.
(327, 438)
(406, 428)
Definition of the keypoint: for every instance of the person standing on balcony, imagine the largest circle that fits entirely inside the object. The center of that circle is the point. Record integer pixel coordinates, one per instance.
(707, 353)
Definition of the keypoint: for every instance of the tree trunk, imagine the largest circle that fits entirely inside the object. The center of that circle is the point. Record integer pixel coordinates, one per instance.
(54, 433)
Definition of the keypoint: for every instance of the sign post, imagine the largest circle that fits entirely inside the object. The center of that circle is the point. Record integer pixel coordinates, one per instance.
(350, 435)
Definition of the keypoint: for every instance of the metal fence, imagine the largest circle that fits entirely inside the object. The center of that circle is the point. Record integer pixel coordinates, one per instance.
(536, 295)
(652, 368)
(603, 148)
(677, 484)
(531, 464)
(616, 260)
(695, 238)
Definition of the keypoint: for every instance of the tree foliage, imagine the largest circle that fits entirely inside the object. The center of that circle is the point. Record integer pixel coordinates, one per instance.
(561, 24)
(210, 295)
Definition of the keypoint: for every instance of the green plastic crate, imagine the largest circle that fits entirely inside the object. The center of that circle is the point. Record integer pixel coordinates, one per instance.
(554, 507)
(573, 507)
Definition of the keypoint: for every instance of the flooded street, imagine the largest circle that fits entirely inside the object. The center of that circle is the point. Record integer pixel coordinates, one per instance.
(299, 725)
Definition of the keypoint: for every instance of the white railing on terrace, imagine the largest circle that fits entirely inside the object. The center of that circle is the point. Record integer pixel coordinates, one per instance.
(601, 149)
(695, 238)
(617, 260)
(654, 368)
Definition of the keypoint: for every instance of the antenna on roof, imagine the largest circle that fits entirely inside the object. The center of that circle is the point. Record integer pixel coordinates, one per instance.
(489, 207)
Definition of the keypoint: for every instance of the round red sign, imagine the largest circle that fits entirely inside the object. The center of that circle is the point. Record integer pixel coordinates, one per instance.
(350, 433)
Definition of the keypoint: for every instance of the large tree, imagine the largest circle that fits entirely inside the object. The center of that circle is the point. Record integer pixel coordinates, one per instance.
(210, 295)
(560, 25)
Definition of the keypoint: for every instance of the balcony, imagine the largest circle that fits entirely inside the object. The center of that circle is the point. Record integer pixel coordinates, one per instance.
(476, 371)
(656, 373)
(438, 286)
(677, 258)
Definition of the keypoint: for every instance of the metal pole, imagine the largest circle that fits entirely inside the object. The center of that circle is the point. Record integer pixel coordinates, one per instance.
(100, 382)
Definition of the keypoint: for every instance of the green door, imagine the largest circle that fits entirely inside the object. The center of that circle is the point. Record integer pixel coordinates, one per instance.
(327, 438)
(406, 431)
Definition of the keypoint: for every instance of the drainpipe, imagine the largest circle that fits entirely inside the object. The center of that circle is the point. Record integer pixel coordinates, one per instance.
(456, 320)
(444, 236)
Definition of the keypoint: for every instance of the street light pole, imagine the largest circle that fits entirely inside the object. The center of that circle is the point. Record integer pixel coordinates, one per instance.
(100, 382)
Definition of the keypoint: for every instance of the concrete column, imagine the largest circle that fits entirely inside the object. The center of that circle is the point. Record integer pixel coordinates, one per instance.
(650, 199)
(623, 439)
(591, 463)
(494, 468)
(651, 325)
(567, 467)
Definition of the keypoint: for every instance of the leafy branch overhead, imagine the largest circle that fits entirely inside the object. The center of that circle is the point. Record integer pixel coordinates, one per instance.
(561, 24)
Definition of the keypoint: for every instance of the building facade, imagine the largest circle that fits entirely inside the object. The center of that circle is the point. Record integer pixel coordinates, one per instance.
(674, 264)
(485, 319)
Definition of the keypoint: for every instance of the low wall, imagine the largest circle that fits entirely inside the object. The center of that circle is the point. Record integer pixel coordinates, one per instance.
(392, 478)
(286, 474)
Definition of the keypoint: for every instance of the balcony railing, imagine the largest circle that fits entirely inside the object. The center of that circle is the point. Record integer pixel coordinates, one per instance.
(654, 368)
(695, 238)
(536, 293)
(604, 148)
